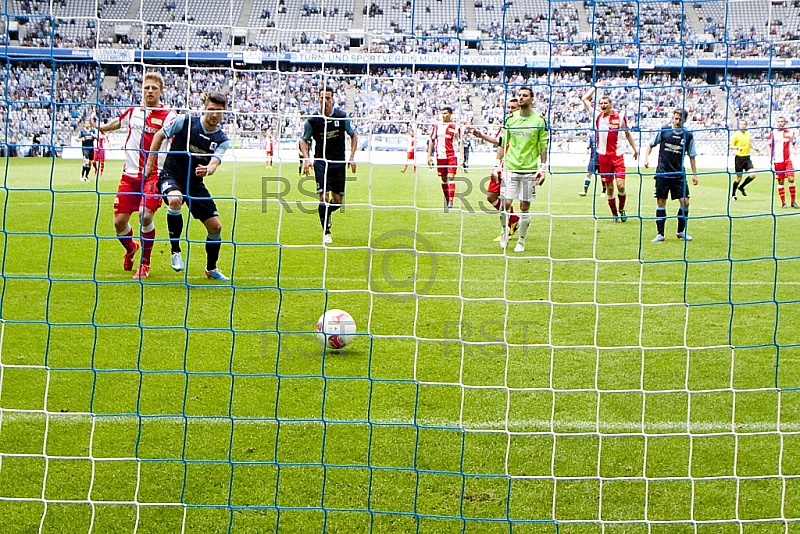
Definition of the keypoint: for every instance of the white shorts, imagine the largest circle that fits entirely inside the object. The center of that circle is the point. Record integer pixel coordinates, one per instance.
(519, 186)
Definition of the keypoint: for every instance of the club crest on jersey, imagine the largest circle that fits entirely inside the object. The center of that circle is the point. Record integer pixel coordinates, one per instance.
(335, 124)
(212, 146)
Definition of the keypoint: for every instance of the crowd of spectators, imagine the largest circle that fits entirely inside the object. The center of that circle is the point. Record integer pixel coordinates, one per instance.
(627, 28)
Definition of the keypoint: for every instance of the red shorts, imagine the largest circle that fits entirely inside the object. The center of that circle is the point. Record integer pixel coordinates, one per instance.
(129, 195)
(96, 155)
(784, 170)
(494, 187)
(610, 167)
(447, 166)
(269, 153)
(409, 155)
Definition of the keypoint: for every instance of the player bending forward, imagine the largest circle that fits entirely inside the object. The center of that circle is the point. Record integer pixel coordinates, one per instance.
(195, 152)
(525, 140)
(676, 142)
(608, 122)
(135, 193)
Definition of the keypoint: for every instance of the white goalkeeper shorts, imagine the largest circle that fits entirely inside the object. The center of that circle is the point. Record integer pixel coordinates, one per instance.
(520, 186)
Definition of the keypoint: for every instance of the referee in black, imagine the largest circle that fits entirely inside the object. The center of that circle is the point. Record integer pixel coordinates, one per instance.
(676, 142)
(328, 132)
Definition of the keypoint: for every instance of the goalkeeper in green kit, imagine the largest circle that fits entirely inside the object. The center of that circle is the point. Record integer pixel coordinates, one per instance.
(525, 140)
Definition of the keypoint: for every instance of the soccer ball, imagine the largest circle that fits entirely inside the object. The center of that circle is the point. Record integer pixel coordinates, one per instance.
(336, 329)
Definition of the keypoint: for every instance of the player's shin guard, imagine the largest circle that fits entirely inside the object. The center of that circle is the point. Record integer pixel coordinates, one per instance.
(746, 181)
(661, 217)
(148, 235)
(782, 194)
(322, 211)
(213, 244)
(734, 187)
(85, 171)
(126, 238)
(524, 222)
(586, 184)
(451, 191)
(622, 198)
(792, 193)
(175, 227)
(446, 191)
(683, 214)
(612, 203)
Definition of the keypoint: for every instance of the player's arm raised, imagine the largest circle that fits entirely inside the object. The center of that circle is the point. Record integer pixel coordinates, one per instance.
(110, 126)
(587, 99)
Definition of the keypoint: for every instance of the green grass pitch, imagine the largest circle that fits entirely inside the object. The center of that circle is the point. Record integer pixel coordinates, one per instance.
(610, 401)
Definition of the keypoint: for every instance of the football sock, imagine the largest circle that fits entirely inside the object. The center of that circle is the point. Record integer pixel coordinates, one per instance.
(524, 222)
(213, 244)
(85, 171)
(746, 181)
(451, 191)
(126, 238)
(661, 215)
(175, 227)
(586, 184)
(514, 218)
(734, 187)
(782, 193)
(612, 203)
(148, 235)
(683, 214)
(622, 198)
(792, 192)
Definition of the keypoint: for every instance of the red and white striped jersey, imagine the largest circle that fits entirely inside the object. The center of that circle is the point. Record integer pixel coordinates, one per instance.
(141, 129)
(269, 144)
(780, 142)
(412, 143)
(608, 130)
(101, 140)
(445, 135)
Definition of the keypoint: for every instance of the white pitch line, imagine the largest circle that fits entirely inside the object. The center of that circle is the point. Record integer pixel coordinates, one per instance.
(155, 281)
(514, 425)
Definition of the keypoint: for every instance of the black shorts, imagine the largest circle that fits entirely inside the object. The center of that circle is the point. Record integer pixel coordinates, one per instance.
(742, 164)
(672, 186)
(592, 167)
(333, 180)
(199, 200)
(88, 153)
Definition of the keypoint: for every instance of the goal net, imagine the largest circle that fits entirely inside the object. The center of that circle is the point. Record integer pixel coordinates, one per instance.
(592, 381)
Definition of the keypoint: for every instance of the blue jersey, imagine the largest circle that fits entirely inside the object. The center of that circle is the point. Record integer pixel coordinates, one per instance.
(675, 144)
(192, 146)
